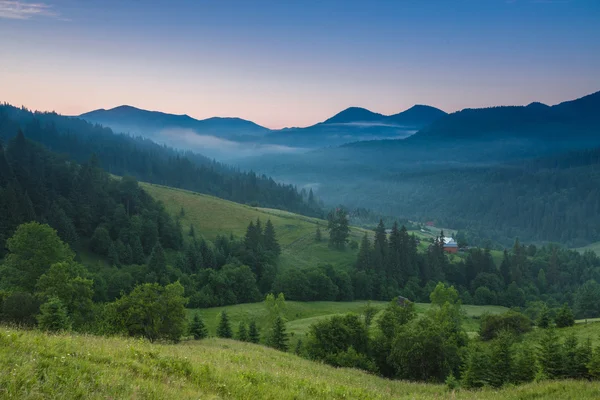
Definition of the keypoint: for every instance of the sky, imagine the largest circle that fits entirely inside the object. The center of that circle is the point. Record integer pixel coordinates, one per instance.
(294, 63)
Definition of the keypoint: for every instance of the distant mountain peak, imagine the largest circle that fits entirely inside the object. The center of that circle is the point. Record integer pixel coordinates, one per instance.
(354, 114)
(126, 118)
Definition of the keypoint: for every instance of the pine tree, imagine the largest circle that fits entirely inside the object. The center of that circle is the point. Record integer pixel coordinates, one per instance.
(524, 367)
(192, 232)
(594, 364)
(253, 334)
(502, 360)
(224, 328)
(298, 349)
(477, 369)
(337, 225)
(157, 263)
(270, 240)
(380, 248)
(318, 234)
(311, 198)
(576, 357)
(197, 328)
(279, 337)
(242, 333)
(550, 354)
(363, 259)
(505, 268)
(252, 238)
(564, 317)
(544, 321)
(53, 316)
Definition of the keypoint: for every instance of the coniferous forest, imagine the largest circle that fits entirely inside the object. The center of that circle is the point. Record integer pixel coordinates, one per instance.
(145, 160)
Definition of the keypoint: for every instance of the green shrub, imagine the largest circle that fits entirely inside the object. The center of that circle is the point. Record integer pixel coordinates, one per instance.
(511, 321)
(53, 316)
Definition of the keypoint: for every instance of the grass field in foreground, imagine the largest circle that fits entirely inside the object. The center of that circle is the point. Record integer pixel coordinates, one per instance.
(34, 365)
(300, 315)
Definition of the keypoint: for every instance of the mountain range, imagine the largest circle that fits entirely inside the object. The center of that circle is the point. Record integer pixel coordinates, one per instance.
(351, 125)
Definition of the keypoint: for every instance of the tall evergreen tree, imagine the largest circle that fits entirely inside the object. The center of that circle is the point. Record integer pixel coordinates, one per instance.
(242, 333)
(363, 260)
(502, 360)
(270, 240)
(550, 354)
(338, 227)
(564, 317)
(505, 268)
(157, 263)
(253, 334)
(224, 328)
(198, 328)
(380, 248)
(279, 337)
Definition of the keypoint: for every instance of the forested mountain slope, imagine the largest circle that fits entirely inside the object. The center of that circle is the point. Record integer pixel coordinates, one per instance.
(123, 155)
(501, 172)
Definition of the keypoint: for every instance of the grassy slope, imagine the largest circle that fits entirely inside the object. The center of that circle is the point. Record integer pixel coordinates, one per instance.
(595, 247)
(212, 216)
(582, 331)
(34, 365)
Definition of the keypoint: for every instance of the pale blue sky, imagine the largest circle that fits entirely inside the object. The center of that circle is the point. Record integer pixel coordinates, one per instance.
(294, 63)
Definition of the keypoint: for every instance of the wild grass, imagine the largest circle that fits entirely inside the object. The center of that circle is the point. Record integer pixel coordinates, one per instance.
(582, 330)
(212, 216)
(34, 365)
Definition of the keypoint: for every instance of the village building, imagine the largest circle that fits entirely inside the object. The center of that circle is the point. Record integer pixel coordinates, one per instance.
(450, 245)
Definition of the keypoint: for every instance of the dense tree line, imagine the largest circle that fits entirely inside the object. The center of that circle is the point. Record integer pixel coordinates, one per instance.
(436, 348)
(392, 265)
(57, 207)
(145, 160)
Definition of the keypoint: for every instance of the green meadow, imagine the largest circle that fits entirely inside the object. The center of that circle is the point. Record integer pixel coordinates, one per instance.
(35, 365)
(212, 216)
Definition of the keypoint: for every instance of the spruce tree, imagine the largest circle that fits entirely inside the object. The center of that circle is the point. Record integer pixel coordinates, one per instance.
(364, 260)
(505, 268)
(197, 328)
(318, 234)
(157, 263)
(253, 334)
(270, 240)
(224, 328)
(524, 367)
(192, 232)
(242, 333)
(576, 357)
(544, 321)
(53, 316)
(502, 360)
(298, 349)
(477, 368)
(279, 337)
(564, 317)
(594, 364)
(550, 354)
